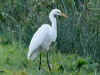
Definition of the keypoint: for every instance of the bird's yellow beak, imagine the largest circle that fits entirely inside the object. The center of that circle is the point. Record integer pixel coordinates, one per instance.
(61, 14)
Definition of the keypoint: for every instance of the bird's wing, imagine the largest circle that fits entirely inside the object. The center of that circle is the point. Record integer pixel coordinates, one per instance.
(36, 41)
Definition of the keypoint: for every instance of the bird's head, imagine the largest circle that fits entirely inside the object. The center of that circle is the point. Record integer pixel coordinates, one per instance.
(57, 12)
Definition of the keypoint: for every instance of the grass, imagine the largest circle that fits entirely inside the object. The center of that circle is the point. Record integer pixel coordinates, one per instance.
(13, 61)
(79, 34)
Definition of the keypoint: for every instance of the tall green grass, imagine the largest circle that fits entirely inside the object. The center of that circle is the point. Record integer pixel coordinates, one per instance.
(13, 61)
(19, 19)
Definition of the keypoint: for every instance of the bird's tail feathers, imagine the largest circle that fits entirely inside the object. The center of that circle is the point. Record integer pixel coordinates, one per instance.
(32, 55)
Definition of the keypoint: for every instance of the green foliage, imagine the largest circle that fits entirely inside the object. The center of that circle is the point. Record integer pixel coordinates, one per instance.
(19, 19)
(13, 61)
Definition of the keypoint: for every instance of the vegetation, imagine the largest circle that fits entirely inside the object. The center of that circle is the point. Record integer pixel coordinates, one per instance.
(13, 61)
(78, 36)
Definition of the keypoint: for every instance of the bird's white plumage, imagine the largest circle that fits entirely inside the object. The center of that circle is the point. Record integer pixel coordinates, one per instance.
(39, 41)
(44, 36)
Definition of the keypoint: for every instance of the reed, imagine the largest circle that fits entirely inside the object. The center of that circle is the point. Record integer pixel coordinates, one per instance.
(80, 33)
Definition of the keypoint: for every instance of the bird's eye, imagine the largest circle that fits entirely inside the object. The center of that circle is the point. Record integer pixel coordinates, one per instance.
(58, 12)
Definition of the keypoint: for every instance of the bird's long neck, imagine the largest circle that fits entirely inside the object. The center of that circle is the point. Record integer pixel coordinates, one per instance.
(53, 27)
(53, 21)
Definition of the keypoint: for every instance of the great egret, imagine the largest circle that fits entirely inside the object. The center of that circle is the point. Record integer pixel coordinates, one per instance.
(43, 37)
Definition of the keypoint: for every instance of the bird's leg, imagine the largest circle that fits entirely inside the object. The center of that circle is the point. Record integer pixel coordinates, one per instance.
(48, 62)
(40, 62)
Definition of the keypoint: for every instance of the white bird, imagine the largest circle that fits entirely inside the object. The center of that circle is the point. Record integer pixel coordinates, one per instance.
(43, 37)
